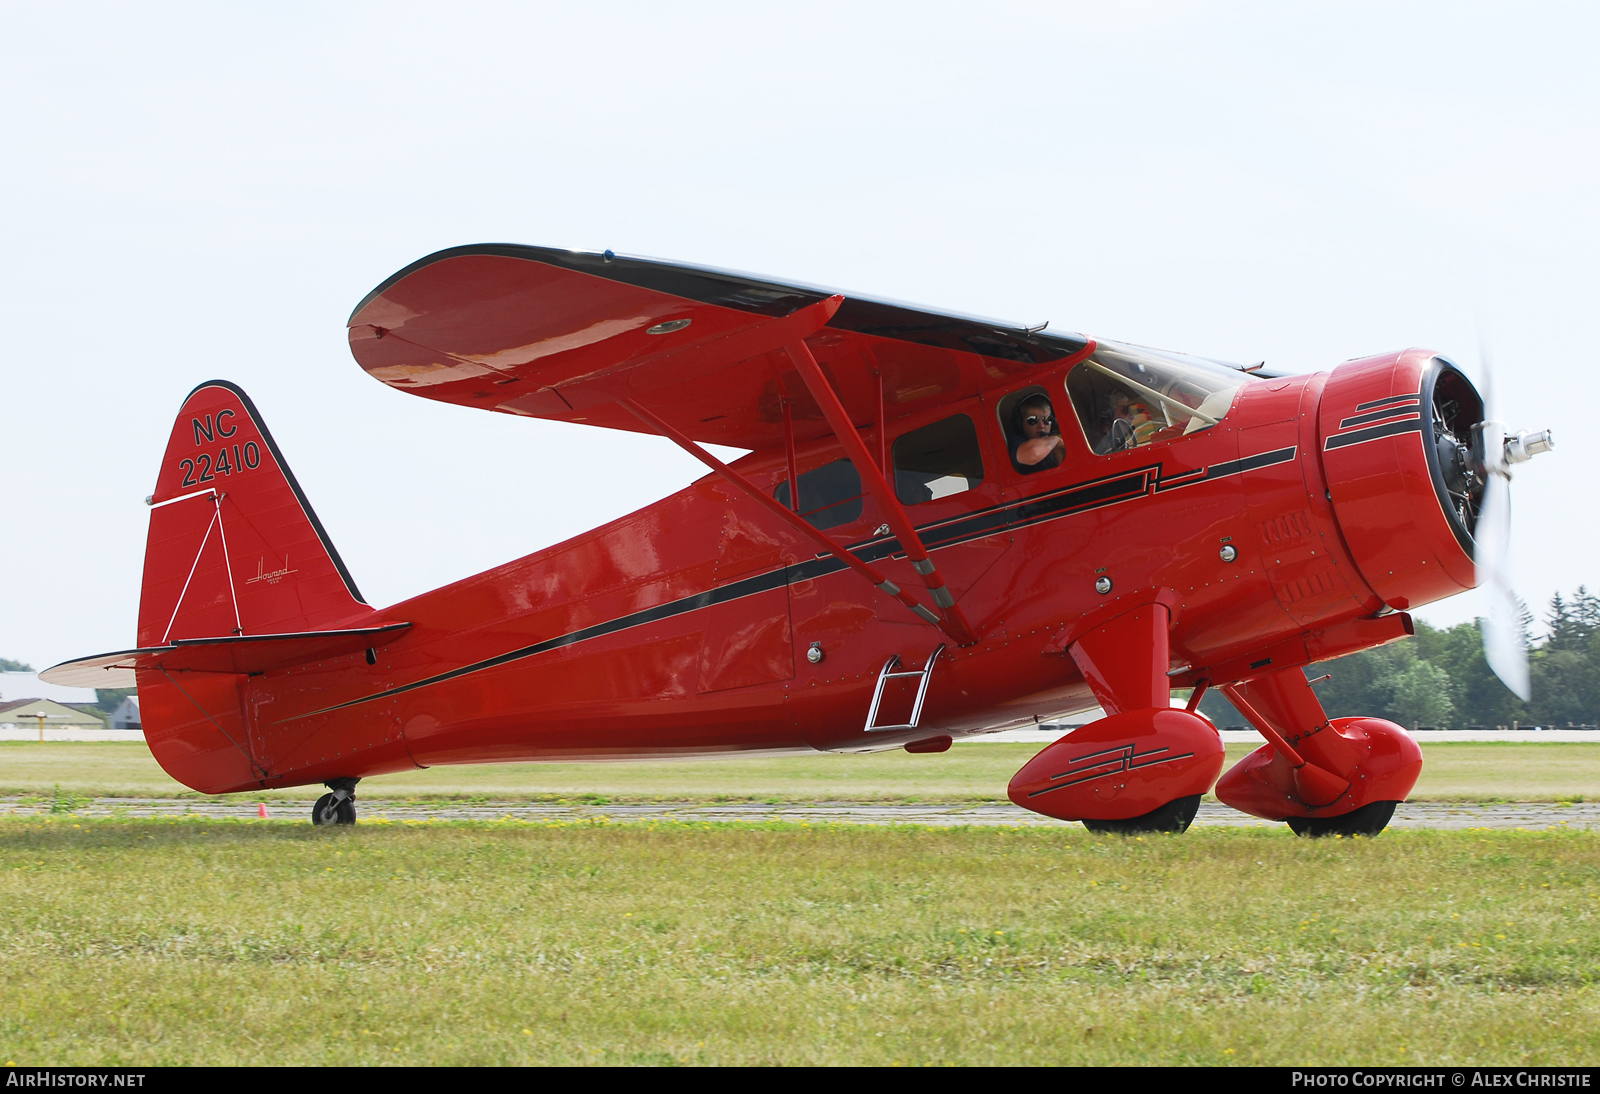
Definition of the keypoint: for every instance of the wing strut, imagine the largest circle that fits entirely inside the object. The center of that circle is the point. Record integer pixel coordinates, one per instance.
(837, 549)
(788, 443)
(954, 622)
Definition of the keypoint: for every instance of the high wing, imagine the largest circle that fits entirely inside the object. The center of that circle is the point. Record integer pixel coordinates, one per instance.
(570, 335)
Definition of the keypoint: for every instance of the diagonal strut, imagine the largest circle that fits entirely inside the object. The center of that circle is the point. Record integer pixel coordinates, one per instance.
(954, 622)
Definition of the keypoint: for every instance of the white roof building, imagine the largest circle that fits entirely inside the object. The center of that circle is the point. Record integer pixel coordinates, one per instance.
(27, 685)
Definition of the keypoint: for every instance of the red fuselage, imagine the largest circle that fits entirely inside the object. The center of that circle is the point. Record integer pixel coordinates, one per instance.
(684, 629)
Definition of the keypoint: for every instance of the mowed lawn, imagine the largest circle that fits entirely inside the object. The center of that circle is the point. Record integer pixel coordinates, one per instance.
(214, 942)
(968, 772)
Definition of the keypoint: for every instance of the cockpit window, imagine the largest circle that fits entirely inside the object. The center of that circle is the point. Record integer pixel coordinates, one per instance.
(1126, 396)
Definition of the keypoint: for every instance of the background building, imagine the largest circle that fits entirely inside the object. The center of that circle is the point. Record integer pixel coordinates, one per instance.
(126, 716)
(22, 714)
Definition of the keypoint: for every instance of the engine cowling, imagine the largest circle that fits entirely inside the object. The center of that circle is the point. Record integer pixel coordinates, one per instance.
(1396, 435)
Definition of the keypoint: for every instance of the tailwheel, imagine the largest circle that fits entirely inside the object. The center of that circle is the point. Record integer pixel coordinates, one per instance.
(1369, 820)
(339, 807)
(1175, 816)
(331, 809)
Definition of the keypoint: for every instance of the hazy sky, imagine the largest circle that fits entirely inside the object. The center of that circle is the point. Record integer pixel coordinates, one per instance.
(192, 192)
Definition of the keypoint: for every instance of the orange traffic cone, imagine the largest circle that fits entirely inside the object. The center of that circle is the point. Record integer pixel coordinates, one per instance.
(261, 809)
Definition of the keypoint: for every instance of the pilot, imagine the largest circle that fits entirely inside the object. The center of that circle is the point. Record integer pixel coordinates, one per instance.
(1035, 444)
(1115, 427)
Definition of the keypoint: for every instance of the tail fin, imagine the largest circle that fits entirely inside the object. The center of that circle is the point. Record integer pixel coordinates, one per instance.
(234, 547)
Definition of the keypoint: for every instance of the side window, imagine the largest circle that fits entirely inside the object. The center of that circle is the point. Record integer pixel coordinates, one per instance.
(1033, 435)
(940, 459)
(830, 495)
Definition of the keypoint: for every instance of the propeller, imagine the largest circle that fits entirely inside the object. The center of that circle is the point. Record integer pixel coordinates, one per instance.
(1505, 646)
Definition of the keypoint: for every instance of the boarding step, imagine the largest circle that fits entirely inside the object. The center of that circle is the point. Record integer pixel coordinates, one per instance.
(925, 673)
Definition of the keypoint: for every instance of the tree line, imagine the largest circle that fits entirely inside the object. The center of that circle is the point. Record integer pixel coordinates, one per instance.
(1440, 677)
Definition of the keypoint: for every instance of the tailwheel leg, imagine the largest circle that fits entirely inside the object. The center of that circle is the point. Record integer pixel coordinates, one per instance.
(1175, 816)
(1368, 820)
(338, 807)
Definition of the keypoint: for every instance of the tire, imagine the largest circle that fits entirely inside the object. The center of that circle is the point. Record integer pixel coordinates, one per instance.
(330, 810)
(1175, 816)
(1369, 820)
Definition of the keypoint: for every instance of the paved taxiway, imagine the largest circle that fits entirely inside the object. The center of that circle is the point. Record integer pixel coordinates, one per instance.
(1454, 815)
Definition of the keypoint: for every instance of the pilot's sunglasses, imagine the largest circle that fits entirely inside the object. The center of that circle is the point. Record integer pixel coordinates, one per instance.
(1034, 419)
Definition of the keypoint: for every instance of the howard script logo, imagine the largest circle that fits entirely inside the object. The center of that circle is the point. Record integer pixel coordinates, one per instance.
(271, 577)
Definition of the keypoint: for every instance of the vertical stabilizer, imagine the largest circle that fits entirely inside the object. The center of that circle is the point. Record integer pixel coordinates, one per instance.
(234, 547)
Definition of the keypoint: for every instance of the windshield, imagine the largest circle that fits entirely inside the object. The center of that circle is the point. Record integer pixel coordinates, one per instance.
(1127, 396)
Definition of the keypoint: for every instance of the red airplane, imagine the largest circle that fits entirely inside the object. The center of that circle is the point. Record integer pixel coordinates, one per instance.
(944, 526)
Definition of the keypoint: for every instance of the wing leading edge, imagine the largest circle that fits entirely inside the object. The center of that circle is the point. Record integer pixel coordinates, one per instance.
(572, 336)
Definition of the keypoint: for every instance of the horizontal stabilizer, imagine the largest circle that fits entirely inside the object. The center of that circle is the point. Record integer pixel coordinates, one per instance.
(249, 654)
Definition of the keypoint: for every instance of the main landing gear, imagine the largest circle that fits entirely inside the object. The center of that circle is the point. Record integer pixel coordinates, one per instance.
(338, 807)
(1175, 816)
(1144, 767)
(1324, 777)
(1368, 820)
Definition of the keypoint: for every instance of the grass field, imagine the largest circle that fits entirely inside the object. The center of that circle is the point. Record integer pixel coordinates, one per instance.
(974, 772)
(176, 942)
